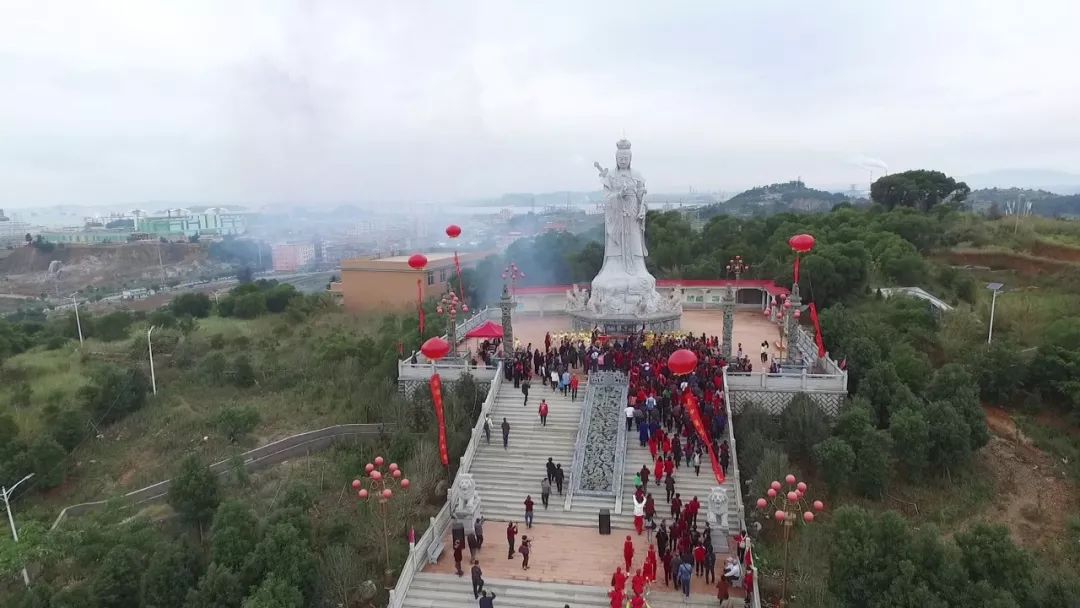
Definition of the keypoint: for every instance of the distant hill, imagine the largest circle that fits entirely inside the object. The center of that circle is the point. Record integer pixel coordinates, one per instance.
(1042, 202)
(1058, 182)
(776, 198)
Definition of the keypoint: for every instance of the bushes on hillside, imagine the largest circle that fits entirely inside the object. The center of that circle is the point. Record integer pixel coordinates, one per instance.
(114, 392)
(193, 304)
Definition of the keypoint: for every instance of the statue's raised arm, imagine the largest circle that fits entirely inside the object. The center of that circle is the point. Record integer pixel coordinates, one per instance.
(603, 171)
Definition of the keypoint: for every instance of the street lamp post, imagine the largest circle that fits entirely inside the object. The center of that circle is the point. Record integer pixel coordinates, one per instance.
(449, 306)
(11, 518)
(379, 487)
(996, 288)
(513, 273)
(788, 507)
(737, 266)
(78, 323)
(150, 348)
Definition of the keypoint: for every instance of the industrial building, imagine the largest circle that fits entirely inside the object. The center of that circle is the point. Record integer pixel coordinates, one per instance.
(389, 283)
(290, 257)
(178, 223)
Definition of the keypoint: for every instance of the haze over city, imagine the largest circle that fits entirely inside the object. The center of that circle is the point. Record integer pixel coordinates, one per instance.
(322, 102)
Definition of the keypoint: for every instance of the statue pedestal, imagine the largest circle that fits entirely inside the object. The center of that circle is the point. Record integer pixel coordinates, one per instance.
(624, 325)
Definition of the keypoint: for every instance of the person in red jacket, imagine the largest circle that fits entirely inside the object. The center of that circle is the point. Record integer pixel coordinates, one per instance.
(658, 470)
(695, 506)
(699, 559)
(616, 596)
(638, 582)
(669, 466)
(637, 602)
(543, 412)
(528, 511)
(628, 552)
(573, 387)
(618, 580)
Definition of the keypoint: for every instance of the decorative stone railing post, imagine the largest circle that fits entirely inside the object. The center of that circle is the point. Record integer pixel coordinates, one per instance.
(729, 321)
(506, 304)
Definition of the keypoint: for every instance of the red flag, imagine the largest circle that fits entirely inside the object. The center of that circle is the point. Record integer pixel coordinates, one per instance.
(796, 268)
(440, 418)
(817, 331)
(692, 408)
(460, 279)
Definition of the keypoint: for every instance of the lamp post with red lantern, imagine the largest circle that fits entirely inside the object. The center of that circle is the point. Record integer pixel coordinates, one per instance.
(512, 273)
(377, 487)
(449, 306)
(737, 266)
(788, 503)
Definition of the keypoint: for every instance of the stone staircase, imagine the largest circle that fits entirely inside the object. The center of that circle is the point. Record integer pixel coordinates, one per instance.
(449, 591)
(504, 477)
(686, 483)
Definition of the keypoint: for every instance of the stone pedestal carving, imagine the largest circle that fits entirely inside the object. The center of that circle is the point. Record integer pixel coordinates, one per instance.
(506, 304)
(623, 298)
(718, 508)
(729, 322)
(791, 326)
(465, 502)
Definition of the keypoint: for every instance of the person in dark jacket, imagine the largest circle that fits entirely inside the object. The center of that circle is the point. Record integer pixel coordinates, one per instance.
(487, 601)
(559, 478)
(506, 432)
(477, 579)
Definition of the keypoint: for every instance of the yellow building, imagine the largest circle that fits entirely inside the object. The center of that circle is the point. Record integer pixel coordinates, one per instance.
(389, 283)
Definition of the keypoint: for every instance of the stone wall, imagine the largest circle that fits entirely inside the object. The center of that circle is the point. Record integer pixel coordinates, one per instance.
(775, 402)
(601, 442)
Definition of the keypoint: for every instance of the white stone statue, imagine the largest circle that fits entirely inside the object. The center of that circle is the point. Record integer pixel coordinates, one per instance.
(718, 508)
(674, 299)
(465, 502)
(576, 298)
(624, 285)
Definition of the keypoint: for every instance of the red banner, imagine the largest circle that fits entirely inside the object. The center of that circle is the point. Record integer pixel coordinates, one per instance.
(691, 403)
(796, 268)
(817, 331)
(440, 418)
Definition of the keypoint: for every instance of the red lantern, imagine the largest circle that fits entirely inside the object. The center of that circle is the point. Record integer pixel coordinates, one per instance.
(393, 466)
(797, 314)
(362, 494)
(761, 502)
(379, 461)
(682, 362)
(780, 515)
(453, 231)
(775, 485)
(417, 261)
(765, 312)
(404, 484)
(387, 494)
(792, 496)
(356, 484)
(787, 303)
(790, 478)
(801, 487)
(818, 505)
(396, 473)
(369, 467)
(376, 475)
(771, 492)
(808, 517)
(435, 348)
(801, 243)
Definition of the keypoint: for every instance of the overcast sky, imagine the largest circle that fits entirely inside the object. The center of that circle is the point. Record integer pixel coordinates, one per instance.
(322, 101)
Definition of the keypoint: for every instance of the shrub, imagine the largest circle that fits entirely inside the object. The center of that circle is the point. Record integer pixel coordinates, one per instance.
(115, 392)
(237, 421)
(194, 304)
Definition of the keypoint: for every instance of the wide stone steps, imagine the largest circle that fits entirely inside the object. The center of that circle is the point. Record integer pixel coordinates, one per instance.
(430, 590)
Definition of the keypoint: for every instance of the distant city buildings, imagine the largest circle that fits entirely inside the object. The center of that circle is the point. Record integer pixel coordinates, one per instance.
(290, 257)
(174, 223)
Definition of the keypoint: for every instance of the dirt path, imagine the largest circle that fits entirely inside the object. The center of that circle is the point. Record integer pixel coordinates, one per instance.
(1034, 496)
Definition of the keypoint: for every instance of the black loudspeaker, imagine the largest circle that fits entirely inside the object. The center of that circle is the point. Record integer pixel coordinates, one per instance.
(605, 521)
(457, 531)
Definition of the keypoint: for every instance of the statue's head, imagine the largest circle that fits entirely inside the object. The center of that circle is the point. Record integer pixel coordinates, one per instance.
(622, 154)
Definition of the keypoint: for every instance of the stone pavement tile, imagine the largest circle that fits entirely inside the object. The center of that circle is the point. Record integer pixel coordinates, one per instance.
(561, 554)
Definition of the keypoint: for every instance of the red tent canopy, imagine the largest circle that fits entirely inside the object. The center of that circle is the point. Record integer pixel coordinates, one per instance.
(487, 329)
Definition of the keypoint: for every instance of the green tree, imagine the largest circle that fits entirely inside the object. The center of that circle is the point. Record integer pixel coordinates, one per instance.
(910, 434)
(835, 459)
(999, 370)
(803, 425)
(871, 475)
(218, 588)
(249, 305)
(286, 553)
(116, 584)
(279, 296)
(194, 304)
(233, 535)
(902, 263)
(275, 593)
(912, 367)
(194, 491)
(950, 437)
(49, 462)
(115, 392)
(953, 383)
(171, 573)
(236, 421)
(243, 373)
(988, 554)
(920, 190)
(113, 326)
(67, 426)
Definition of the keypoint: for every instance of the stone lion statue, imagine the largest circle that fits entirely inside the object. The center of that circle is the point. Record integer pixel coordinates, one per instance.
(718, 512)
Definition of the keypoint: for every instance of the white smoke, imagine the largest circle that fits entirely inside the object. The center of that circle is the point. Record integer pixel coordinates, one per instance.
(874, 165)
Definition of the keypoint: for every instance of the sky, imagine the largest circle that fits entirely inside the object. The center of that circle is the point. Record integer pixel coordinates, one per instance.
(327, 101)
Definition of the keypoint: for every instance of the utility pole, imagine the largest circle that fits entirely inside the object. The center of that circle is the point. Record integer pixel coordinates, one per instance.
(996, 288)
(7, 492)
(161, 264)
(150, 348)
(78, 323)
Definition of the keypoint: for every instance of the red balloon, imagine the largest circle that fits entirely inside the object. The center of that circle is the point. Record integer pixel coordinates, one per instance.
(368, 467)
(376, 475)
(818, 505)
(808, 517)
(379, 461)
(682, 362)
(405, 484)
(761, 502)
(797, 313)
(417, 261)
(802, 486)
(387, 493)
(356, 484)
(396, 473)
(780, 515)
(765, 312)
(362, 494)
(792, 496)
(771, 492)
(790, 478)
(775, 485)
(453, 231)
(393, 466)
(435, 348)
(801, 243)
